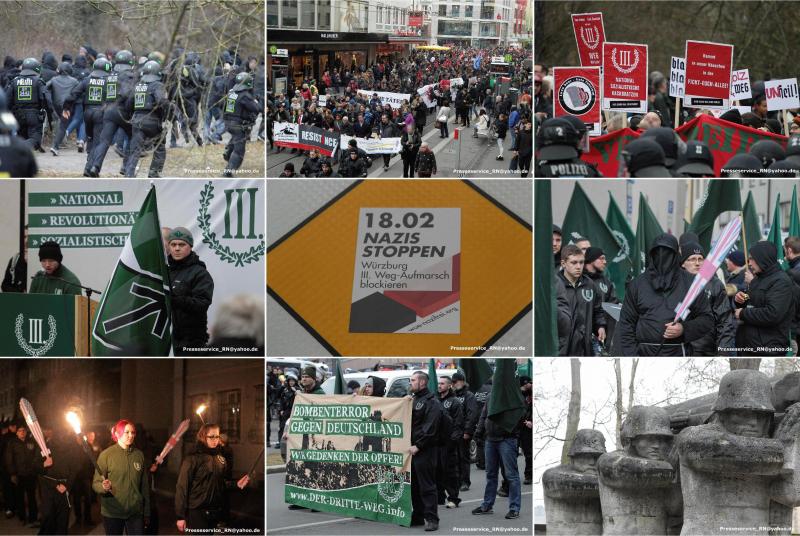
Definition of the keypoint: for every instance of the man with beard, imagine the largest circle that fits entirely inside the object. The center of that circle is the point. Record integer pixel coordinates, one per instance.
(426, 419)
(722, 339)
(766, 311)
(646, 326)
(447, 477)
(585, 305)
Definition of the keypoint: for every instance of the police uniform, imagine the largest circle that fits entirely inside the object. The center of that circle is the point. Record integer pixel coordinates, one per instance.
(16, 158)
(447, 471)
(150, 108)
(28, 97)
(92, 91)
(239, 113)
(558, 155)
(425, 421)
(119, 89)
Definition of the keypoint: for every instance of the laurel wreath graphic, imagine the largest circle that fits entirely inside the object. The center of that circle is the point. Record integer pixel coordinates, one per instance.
(590, 37)
(35, 352)
(210, 237)
(390, 485)
(627, 70)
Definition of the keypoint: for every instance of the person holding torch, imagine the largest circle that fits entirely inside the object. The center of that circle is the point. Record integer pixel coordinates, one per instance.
(202, 484)
(121, 480)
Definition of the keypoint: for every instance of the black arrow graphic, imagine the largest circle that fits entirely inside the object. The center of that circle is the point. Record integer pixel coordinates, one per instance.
(156, 305)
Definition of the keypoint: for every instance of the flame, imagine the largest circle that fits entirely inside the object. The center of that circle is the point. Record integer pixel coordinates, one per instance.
(200, 409)
(74, 421)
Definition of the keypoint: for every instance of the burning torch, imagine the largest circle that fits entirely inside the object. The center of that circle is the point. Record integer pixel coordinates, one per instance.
(200, 410)
(75, 422)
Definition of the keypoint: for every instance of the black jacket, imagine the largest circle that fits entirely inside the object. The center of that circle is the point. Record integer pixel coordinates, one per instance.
(20, 457)
(794, 274)
(426, 416)
(202, 481)
(192, 291)
(311, 166)
(767, 316)
(16, 276)
(585, 311)
(724, 333)
(471, 410)
(453, 407)
(604, 286)
(353, 168)
(650, 301)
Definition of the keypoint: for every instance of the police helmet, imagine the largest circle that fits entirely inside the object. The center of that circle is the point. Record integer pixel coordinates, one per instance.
(31, 67)
(156, 56)
(646, 420)
(558, 140)
(243, 81)
(151, 71)
(102, 64)
(124, 60)
(768, 152)
(745, 389)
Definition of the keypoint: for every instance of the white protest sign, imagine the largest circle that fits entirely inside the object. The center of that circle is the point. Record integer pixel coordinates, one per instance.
(740, 85)
(374, 145)
(395, 100)
(426, 92)
(322, 100)
(782, 94)
(677, 77)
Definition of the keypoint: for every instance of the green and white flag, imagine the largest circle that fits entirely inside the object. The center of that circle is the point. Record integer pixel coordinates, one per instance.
(133, 318)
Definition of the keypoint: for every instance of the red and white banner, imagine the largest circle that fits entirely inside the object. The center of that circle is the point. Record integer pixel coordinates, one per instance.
(708, 75)
(625, 77)
(590, 35)
(577, 92)
(782, 94)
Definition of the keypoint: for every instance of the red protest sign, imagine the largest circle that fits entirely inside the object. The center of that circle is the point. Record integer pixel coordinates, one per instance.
(625, 77)
(577, 92)
(708, 75)
(590, 35)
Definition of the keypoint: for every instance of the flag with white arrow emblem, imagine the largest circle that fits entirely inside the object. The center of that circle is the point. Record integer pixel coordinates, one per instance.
(133, 318)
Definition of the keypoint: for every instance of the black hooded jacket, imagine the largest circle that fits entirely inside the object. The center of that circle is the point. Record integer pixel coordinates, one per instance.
(203, 480)
(585, 311)
(49, 66)
(650, 302)
(192, 291)
(378, 386)
(767, 316)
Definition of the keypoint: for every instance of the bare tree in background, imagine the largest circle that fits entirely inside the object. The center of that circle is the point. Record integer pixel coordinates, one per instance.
(574, 409)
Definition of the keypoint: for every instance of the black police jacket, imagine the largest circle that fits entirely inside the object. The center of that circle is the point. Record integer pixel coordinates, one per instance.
(574, 167)
(192, 292)
(29, 92)
(202, 481)
(426, 417)
(767, 315)
(585, 310)
(240, 106)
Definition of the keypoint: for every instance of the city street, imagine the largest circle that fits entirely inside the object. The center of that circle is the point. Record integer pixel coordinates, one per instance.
(476, 158)
(281, 520)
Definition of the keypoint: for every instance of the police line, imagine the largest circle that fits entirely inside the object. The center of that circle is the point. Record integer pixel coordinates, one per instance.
(307, 137)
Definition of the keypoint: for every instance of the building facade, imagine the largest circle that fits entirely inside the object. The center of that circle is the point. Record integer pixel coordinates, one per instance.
(474, 23)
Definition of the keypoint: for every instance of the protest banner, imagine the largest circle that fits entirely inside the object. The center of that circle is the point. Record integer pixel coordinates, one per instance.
(708, 75)
(395, 100)
(305, 137)
(348, 455)
(782, 95)
(740, 85)
(374, 145)
(677, 77)
(624, 77)
(426, 92)
(590, 35)
(724, 138)
(577, 92)
(322, 100)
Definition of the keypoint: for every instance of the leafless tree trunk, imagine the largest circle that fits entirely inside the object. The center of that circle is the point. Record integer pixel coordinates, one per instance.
(618, 403)
(574, 411)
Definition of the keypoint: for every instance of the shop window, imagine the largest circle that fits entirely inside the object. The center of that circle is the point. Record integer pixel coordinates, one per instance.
(272, 13)
(229, 404)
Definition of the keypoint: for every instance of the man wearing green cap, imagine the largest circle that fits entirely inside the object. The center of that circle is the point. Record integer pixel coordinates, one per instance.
(192, 291)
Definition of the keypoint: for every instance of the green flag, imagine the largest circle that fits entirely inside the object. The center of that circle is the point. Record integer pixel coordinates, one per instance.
(476, 370)
(433, 381)
(775, 236)
(794, 216)
(647, 229)
(526, 369)
(721, 196)
(752, 229)
(544, 284)
(133, 318)
(339, 385)
(620, 266)
(506, 404)
(583, 221)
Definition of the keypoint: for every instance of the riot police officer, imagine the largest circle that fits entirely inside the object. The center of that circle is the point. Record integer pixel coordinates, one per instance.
(426, 418)
(29, 99)
(240, 112)
(16, 158)
(119, 89)
(150, 108)
(92, 91)
(558, 154)
(185, 93)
